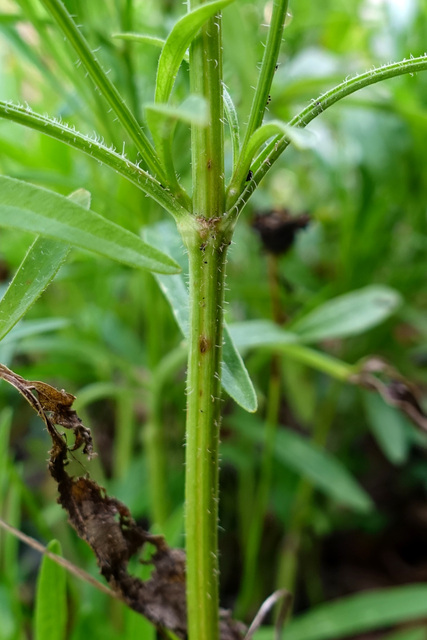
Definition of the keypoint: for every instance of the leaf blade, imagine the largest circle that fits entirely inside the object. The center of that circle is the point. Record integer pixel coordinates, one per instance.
(35, 273)
(357, 614)
(235, 378)
(312, 462)
(51, 599)
(30, 208)
(177, 44)
(349, 314)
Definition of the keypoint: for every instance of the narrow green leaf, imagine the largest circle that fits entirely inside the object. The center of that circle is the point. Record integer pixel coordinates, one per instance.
(103, 84)
(348, 315)
(357, 614)
(91, 147)
(265, 334)
(35, 273)
(162, 120)
(29, 328)
(301, 138)
(307, 459)
(388, 427)
(259, 333)
(37, 270)
(9, 623)
(233, 124)
(193, 110)
(50, 619)
(30, 208)
(177, 43)
(143, 38)
(235, 378)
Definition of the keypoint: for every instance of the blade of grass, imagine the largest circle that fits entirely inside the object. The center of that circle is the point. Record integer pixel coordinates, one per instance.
(311, 461)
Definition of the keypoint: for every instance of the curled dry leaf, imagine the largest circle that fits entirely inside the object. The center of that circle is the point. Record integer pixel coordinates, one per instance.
(378, 375)
(106, 524)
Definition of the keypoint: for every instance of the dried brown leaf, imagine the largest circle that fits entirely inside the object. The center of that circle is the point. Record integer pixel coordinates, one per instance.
(378, 375)
(106, 524)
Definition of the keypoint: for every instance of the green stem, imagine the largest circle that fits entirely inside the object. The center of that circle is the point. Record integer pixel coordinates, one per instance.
(276, 147)
(103, 84)
(207, 243)
(97, 150)
(207, 143)
(207, 246)
(268, 67)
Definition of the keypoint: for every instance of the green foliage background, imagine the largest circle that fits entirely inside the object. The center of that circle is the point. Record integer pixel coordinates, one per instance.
(105, 332)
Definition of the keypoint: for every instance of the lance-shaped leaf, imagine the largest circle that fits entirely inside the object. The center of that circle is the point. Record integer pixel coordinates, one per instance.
(177, 43)
(301, 139)
(357, 614)
(320, 467)
(235, 378)
(349, 314)
(35, 273)
(30, 208)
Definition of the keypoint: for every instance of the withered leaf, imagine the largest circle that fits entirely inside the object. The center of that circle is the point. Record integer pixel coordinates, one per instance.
(377, 374)
(106, 524)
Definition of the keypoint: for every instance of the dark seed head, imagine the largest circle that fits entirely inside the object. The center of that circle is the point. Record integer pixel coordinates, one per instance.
(277, 229)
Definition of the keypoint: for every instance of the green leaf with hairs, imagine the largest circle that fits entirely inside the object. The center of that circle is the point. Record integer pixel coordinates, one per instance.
(177, 43)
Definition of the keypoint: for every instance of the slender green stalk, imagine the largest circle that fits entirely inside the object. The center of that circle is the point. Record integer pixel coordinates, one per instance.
(97, 150)
(268, 67)
(207, 244)
(260, 101)
(207, 247)
(275, 148)
(104, 85)
(126, 20)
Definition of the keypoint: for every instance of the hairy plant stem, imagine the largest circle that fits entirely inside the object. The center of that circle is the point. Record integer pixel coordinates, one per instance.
(207, 246)
(207, 243)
